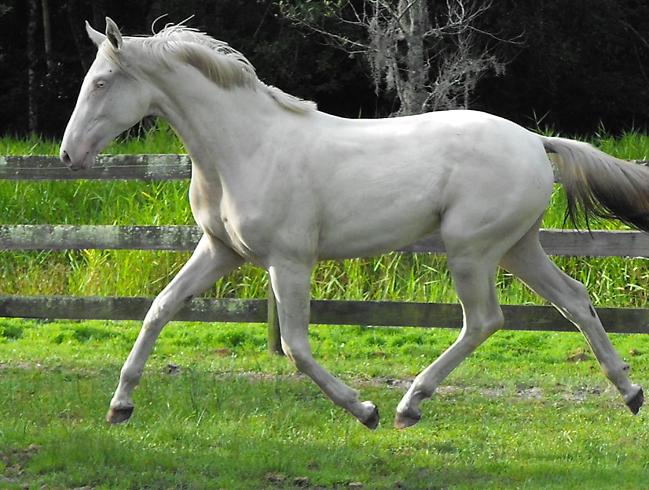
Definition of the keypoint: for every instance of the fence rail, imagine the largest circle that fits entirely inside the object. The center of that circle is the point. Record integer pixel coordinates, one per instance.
(570, 243)
(162, 166)
(183, 238)
(325, 312)
(108, 167)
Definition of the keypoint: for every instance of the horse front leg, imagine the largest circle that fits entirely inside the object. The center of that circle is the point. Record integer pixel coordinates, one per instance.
(208, 263)
(291, 285)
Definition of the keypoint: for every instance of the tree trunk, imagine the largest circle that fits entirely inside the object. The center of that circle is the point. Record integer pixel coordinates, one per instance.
(47, 35)
(98, 14)
(78, 33)
(414, 24)
(32, 66)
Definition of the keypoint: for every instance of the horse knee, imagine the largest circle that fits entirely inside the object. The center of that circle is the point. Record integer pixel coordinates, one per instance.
(159, 314)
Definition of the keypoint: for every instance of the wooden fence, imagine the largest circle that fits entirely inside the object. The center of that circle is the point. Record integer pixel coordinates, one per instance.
(377, 313)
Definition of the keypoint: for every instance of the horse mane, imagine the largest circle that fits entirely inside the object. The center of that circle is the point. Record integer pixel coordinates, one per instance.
(216, 60)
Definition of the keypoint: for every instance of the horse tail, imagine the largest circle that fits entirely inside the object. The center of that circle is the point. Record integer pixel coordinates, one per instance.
(598, 184)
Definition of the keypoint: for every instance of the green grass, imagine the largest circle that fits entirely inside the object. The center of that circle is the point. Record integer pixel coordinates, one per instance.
(230, 416)
(527, 410)
(612, 282)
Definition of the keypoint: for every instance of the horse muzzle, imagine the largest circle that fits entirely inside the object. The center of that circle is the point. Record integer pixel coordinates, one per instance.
(76, 162)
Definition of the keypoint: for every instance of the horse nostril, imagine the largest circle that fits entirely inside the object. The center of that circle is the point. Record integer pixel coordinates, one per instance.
(65, 158)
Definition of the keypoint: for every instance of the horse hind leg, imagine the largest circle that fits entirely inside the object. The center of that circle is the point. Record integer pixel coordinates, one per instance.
(474, 280)
(474, 249)
(528, 261)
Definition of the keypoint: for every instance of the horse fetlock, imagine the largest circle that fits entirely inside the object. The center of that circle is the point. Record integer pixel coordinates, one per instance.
(618, 374)
(418, 392)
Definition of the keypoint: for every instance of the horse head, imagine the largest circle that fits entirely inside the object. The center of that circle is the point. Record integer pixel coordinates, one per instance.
(111, 100)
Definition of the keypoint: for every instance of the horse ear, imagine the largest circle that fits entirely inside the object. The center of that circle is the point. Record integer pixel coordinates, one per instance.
(113, 34)
(95, 36)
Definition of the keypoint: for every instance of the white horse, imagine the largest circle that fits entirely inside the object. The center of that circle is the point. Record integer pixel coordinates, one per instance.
(282, 185)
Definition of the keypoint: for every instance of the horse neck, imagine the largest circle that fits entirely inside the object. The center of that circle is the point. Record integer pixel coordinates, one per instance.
(221, 128)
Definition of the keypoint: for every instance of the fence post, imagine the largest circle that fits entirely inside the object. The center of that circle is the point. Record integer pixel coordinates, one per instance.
(274, 338)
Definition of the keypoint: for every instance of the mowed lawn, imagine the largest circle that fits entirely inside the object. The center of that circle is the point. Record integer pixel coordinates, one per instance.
(214, 410)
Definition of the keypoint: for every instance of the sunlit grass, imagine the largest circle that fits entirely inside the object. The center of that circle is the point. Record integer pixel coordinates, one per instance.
(228, 415)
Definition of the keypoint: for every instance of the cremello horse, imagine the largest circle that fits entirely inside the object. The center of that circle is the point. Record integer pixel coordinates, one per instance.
(282, 185)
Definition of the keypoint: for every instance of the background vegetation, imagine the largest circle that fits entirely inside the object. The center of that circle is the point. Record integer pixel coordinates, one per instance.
(578, 64)
(611, 281)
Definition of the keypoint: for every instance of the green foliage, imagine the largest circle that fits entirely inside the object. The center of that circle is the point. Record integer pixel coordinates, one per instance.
(611, 281)
(311, 11)
(9, 331)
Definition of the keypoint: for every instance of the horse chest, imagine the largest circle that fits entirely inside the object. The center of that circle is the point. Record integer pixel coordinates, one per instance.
(242, 224)
(244, 233)
(247, 235)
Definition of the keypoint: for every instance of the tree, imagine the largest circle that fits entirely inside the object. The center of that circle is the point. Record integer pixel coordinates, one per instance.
(47, 35)
(78, 33)
(32, 61)
(431, 59)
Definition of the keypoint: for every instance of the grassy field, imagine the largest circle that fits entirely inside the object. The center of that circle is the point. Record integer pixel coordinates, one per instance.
(528, 410)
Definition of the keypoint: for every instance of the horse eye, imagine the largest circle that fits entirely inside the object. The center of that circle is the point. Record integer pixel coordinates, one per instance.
(100, 84)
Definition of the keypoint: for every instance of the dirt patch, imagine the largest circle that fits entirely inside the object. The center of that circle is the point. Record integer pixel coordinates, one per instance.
(21, 365)
(15, 460)
(582, 394)
(223, 352)
(530, 393)
(172, 369)
(524, 392)
(579, 355)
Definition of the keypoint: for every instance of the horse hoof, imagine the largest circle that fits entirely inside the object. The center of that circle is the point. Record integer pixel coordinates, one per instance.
(371, 422)
(636, 402)
(403, 420)
(119, 415)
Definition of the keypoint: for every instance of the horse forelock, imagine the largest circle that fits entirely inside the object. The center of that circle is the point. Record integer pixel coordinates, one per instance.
(216, 60)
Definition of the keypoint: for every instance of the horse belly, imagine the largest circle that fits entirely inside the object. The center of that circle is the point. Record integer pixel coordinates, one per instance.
(366, 232)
